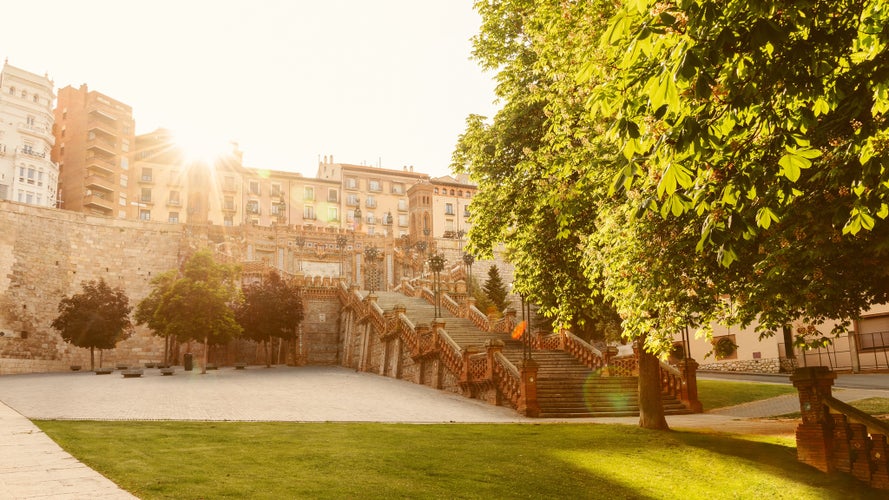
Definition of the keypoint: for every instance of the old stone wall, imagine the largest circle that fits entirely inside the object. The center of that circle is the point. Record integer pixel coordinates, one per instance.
(771, 365)
(321, 343)
(45, 255)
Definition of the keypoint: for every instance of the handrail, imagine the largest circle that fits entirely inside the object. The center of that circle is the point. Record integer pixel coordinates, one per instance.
(479, 319)
(507, 378)
(854, 415)
(451, 304)
(585, 352)
(450, 352)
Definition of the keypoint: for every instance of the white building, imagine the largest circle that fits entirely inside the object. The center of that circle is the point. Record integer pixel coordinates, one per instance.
(27, 174)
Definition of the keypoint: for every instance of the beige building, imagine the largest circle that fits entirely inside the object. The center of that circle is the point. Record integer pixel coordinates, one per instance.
(375, 200)
(94, 136)
(28, 173)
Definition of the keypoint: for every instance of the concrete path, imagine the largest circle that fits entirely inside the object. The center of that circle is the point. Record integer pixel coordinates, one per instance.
(33, 467)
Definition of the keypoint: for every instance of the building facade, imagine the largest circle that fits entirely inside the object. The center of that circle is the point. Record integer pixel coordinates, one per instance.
(28, 173)
(94, 138)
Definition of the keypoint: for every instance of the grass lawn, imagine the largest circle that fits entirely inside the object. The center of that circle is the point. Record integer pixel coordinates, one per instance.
(877, 407)
(337, 460)
(719, 394)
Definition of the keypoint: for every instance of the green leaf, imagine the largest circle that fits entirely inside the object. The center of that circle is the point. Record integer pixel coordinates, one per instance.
(792, 165)
(765, 217)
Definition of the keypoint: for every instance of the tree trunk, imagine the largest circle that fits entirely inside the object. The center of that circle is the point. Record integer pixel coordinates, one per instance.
(166, 349)
(206, 355)
(92, 359)
(651, 404)
(268, 353)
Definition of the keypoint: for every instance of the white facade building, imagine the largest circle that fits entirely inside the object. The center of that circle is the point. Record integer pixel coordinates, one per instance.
(27, 174)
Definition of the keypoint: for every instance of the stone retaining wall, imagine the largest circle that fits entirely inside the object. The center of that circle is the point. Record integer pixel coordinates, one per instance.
(771, 365)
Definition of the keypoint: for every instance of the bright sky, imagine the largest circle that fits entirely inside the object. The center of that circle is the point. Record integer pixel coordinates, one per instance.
(383, 82)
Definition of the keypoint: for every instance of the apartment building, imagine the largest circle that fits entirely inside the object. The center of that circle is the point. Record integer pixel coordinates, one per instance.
(28, 173)
(94, 137)
(375, 200)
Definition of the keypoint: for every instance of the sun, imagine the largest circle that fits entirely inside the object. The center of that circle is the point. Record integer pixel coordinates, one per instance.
(200, 146)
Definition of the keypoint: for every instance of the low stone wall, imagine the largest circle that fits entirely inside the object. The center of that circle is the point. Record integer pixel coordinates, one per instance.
(771, 365)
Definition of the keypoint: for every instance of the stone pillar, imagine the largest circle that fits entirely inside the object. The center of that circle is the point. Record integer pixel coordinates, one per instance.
(466, 374)
(528, 405)
(689, 395)
(814, 435)
(468, 305)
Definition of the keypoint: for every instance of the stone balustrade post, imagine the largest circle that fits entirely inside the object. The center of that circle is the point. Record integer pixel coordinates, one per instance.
(689, 391)
(814, 436)
(492, 347)
(467, 306)
(528, 405)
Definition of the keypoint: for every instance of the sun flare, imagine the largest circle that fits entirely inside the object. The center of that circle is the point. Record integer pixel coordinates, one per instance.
(201, 147)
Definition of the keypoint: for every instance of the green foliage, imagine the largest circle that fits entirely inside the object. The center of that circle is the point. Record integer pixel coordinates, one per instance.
(196, 305)
(494, 288)
(97, 317)
(333, 460)
(271, 308)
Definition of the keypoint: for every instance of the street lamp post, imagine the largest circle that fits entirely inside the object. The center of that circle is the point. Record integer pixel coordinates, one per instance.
(436, 265)
(341, 241)
(468, 259)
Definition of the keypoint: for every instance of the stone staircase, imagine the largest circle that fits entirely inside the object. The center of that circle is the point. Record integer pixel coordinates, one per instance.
(565, 387)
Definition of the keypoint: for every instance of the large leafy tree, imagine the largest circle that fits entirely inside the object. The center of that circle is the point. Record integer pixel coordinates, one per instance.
(763, 125)
(198, 304)
(272, 308)
(97, 317)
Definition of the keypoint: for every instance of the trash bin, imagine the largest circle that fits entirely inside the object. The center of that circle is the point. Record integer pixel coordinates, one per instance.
(188, 361)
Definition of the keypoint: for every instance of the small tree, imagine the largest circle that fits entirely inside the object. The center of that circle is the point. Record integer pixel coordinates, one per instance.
(495, 289)
(271, 308)
(146, 310)
(98, 317)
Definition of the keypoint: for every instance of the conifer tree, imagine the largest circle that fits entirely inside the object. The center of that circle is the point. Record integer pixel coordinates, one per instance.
(495, 289)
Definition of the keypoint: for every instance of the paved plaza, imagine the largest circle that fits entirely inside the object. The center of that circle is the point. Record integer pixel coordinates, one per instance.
(32, 466)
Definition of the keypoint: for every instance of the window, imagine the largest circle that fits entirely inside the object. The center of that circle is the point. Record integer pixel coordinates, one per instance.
(370, 218)
(252, 207)
(277, 209)
(466, 211)
(333, 214)
(370, 202)
(254, 187)
(174, 197)
(402, 220)
(402, 205)
(351, 183)
(11, 90)
(309, 193)
(276, 189)
(449, 209)
(121, 214)
(174, 217)
(122, 201)
(352, 200)
(229, 184)
(147, 174)
(333, 196)
(228, 203)
(436, 191)
(309, 212)
(30, 120)
(374, 185)
(145, 215)
(36, 98)
(228, 221)
(146, 195)
(873, 333)
(397, 188)
(124, 145)
(123, 180)
(350, 216)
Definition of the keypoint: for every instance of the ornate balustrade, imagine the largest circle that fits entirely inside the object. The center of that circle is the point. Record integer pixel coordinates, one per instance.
(507, 378)
(451, 355)
(552, 341)
(834, 436)
(451, 304)
(584, 352)
(478, 319)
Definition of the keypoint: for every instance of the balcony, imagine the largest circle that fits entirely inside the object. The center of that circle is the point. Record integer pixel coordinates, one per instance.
(146, 179)
(174, 203)
(102, 146)
(28, 152)
(107, 113)
(99, 182)
(229, 207)
(98, 127)
(39, 131)
(229, 187)
(101, 165)
(97, 201)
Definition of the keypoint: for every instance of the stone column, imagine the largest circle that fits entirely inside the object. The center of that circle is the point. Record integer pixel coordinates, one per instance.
(689, 395)
(528, 405)
(814, 436)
